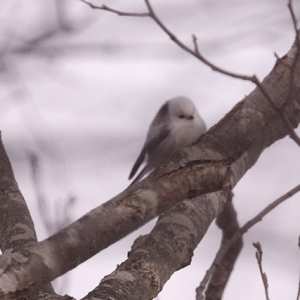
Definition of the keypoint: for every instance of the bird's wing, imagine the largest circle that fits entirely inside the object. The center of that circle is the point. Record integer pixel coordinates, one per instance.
(152, 142)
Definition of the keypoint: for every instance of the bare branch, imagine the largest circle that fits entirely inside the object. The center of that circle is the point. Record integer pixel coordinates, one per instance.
(270, 207)
(115, 11)
(195, 41)
(226, 247)
(258, 255)
(196, 53)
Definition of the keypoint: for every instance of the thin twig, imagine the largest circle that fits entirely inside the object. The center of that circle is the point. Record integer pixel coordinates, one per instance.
(267, 209)
(197, 54)
(195, 44)
(118, 12)
(258, 255)
(222, 251)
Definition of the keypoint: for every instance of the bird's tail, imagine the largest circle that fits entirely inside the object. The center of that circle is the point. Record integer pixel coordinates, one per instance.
(143, 172)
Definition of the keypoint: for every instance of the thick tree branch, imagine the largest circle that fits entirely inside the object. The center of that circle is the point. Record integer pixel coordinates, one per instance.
(168, 248)
(219, 276)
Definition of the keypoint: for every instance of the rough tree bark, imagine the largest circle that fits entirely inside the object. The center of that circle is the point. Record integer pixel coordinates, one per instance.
(16, 231)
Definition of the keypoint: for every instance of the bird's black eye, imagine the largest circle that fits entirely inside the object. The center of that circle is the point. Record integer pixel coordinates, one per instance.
(181, 116)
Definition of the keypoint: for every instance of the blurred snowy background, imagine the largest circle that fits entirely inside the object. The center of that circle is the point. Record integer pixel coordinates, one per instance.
(79, 88)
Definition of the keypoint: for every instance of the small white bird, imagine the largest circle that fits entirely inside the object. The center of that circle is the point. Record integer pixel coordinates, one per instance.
(176, 125)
